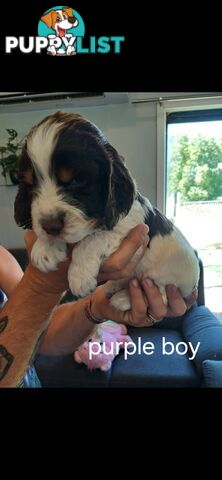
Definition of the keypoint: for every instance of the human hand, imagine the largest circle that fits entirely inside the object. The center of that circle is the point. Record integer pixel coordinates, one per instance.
(144, 298)
(122, 262)
(176, 304)
(119, 265)
(51, 282)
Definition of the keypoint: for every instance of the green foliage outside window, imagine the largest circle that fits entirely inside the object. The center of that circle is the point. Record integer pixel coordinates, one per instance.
(196, 168)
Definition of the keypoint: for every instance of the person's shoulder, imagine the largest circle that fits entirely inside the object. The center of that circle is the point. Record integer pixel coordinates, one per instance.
(4, 253)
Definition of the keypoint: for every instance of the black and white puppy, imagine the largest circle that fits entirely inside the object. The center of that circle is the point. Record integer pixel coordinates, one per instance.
(75, 188)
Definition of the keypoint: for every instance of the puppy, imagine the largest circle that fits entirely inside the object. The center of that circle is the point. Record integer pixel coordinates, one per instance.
(75, 188)
(60, 21)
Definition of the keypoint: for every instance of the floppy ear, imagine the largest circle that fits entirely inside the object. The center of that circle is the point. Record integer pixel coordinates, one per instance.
(22, 207)
(23, 200)
(121, 189)
(48, 18)
(68, 11)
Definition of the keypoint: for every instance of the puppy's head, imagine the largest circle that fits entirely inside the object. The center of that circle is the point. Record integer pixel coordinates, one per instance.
(60, 20)
(72, 180)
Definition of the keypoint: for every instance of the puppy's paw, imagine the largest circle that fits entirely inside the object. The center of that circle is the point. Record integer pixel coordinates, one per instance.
(70, 50)
(121, 300)
(115, 286)
(46, 256)
(80, 283)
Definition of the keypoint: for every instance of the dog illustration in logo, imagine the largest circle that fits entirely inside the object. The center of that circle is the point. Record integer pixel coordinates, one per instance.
(60, 21)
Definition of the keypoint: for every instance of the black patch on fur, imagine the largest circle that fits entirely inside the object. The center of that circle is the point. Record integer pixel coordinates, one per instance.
(141, 199)
(157, 222)
(23, 200)
(81, 153)
(102, 186)
(121, 189)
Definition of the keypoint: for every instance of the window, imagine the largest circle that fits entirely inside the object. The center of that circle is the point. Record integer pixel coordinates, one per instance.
(193, 205)
(193, 188)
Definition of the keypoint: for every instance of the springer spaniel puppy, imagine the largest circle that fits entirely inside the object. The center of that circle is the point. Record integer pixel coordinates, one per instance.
(76, 189)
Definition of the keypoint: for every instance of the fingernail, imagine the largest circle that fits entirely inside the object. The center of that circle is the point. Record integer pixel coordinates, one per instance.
(135, 283)
(143, 230)
(148, 282)
(146, 240)
(172, 288)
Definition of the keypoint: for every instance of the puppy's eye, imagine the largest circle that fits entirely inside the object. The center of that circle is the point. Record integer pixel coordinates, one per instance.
(58, 19)
(68, 176)
(65, 175)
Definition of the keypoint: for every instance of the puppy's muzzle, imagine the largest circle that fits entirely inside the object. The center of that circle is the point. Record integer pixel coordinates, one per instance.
(53, 225)
(72, 20)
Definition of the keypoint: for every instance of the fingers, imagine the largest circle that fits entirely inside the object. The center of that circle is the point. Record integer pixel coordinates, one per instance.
(176, 303)
(146, 296)
(138, 304)
(121, 263)
(191, 299)
(136, 316)
(156, 307)
(101, 308)
(30, 238)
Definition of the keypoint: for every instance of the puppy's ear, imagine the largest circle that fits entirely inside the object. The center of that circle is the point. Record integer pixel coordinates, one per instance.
(48, 18)
(23, 200)
(121, 189)
(68, 11)
(22, 206)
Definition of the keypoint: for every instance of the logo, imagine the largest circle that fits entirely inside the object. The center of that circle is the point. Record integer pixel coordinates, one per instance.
(62, 26)
(61, 32)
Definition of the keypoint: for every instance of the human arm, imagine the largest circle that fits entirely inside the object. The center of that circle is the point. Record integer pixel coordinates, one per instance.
(25, 316)
(27, 313)
(10, 271)
(70, 326)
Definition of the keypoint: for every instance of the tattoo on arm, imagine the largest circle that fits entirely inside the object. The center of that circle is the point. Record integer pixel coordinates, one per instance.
(3, 323)
(6, 360)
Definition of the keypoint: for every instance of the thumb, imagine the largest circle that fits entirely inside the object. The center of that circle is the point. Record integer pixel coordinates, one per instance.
(30, 239)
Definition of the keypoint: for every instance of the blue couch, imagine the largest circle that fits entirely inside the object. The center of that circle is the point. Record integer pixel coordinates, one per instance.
(149, 371)
(157, 370)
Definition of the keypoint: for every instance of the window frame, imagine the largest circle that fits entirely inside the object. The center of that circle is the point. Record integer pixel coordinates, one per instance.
(163, 109)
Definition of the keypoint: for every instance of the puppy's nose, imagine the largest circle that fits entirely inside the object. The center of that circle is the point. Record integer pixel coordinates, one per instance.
(72, 20)
(53, 225)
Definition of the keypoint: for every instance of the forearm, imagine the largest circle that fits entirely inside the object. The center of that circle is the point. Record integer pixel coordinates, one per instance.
(10, 272)
(22, 321)
(69, 327)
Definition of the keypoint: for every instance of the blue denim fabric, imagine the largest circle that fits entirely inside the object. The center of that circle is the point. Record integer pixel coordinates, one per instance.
(30, 379)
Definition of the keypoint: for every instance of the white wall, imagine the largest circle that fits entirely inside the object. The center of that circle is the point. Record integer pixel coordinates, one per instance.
(130, 128)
